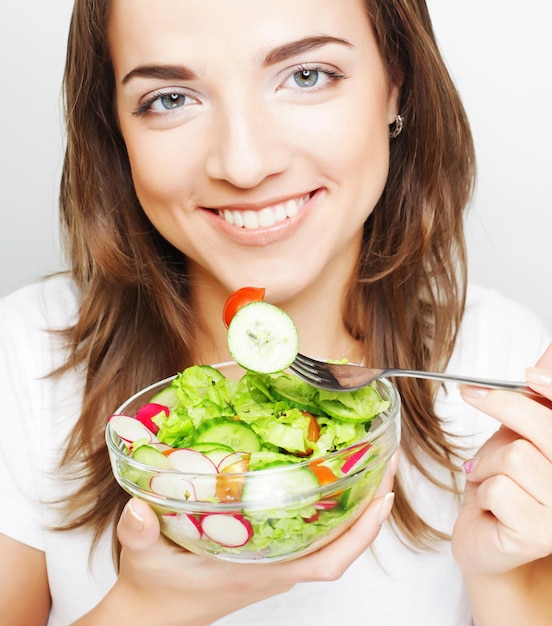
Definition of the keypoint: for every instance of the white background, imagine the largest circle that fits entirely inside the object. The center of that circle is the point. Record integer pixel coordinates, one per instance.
(499, 52)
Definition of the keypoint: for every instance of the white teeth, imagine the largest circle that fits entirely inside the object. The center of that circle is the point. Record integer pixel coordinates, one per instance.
(267, 217)
(250, 219)
(264, 218)
(280, 212)
(291, 208)
(238, 219)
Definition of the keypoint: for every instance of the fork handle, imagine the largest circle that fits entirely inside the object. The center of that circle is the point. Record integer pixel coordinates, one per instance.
(468, 380)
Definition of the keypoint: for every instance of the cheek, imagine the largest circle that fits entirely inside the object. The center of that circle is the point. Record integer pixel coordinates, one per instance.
(359, 163)
(161, 169)
(153, 184)
(353, 134)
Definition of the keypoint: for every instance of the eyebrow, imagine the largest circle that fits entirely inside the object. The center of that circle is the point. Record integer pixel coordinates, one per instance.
(279, 54)
(162, 72)
(288, 50)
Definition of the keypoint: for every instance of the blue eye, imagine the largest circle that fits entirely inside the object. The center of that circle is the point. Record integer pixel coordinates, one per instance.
(306, 77)
(311, 78)
(164, 102)
(171, 100)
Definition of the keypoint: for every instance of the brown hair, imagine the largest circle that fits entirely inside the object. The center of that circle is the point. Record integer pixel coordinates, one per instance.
(136, 320)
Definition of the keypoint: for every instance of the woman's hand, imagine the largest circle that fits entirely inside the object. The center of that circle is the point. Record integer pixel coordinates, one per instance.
(504, 531)
(159, 581)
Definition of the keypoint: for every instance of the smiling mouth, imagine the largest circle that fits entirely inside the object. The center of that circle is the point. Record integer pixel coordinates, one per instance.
(265, 217)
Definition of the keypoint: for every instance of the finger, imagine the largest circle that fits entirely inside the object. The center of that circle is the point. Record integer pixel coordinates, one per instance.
(528, 418)
(540, 376)
(546, 358)
(386, 484)
(331, 561)
(540, 379)
(502, 437)
(138, 528)
(519, 524)
(520, 461)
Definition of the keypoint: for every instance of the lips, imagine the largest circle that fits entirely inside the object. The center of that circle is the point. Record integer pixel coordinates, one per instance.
(264, 217)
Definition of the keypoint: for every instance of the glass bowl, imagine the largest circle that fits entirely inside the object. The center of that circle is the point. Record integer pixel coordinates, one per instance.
(279, 512)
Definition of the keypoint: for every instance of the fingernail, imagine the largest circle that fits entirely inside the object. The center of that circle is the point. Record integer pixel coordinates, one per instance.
(134, 520)
(469, 465)
(386, 507)
(538, 376)
(473, 392)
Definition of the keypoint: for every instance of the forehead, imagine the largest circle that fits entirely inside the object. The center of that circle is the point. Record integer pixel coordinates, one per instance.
(167, 29)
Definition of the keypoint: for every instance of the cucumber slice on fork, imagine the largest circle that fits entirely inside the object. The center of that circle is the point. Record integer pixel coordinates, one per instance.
(263, 338)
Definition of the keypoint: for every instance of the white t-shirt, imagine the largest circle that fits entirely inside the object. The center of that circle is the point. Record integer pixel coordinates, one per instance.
(387, 585)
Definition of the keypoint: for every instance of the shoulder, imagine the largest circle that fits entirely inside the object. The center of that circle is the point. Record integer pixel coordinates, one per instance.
(498, 335)
(52, 301)
(30, 316)
(45, 407)
(488, 305)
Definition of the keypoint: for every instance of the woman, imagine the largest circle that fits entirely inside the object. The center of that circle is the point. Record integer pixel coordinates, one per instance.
(318, 149)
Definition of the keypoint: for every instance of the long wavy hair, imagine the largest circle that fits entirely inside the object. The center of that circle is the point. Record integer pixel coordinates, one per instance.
(136, 321)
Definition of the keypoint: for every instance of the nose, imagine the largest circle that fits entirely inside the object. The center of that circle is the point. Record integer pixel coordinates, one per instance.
(246, 146)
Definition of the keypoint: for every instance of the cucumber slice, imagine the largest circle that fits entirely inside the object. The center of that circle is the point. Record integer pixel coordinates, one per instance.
(167, 397)
(265, 459)
(233, 433)
(150, 456)
(365, 487)
(298, 486)
(214, 451)
(263, 338)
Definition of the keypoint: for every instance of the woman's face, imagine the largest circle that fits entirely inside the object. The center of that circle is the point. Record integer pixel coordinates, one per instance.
(257, 133)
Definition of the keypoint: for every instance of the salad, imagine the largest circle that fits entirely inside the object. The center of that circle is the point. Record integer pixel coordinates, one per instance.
(259, 468)
(269, 448)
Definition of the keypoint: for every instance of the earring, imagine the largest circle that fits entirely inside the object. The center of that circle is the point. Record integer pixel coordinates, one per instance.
(395, 129)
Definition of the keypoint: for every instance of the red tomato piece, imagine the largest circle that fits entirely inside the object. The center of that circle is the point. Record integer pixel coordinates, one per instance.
(239, 299)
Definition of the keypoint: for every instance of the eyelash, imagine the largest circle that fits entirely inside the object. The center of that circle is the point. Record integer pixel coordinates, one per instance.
(144, 108)
(333, 76)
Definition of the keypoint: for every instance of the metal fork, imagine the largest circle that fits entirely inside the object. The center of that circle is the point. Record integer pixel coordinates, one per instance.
(339, 377)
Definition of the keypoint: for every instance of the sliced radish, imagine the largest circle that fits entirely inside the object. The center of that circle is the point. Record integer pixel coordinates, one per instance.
(182, 526)
(191, 461)
(147, 412)
(229, 530)
(206, 486)
(162, 447)
(326, 505)
(356, 459)
(130, 429)
(234, 462)
(173, 486)
(217, 454)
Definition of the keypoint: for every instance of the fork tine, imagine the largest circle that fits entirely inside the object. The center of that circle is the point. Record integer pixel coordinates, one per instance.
(304, 371)
(305, 377)
(310, 377)
(313, 372)
(304, 360)
(306, 364)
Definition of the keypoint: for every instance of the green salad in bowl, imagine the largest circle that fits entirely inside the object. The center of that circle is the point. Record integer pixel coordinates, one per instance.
(253, 467)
